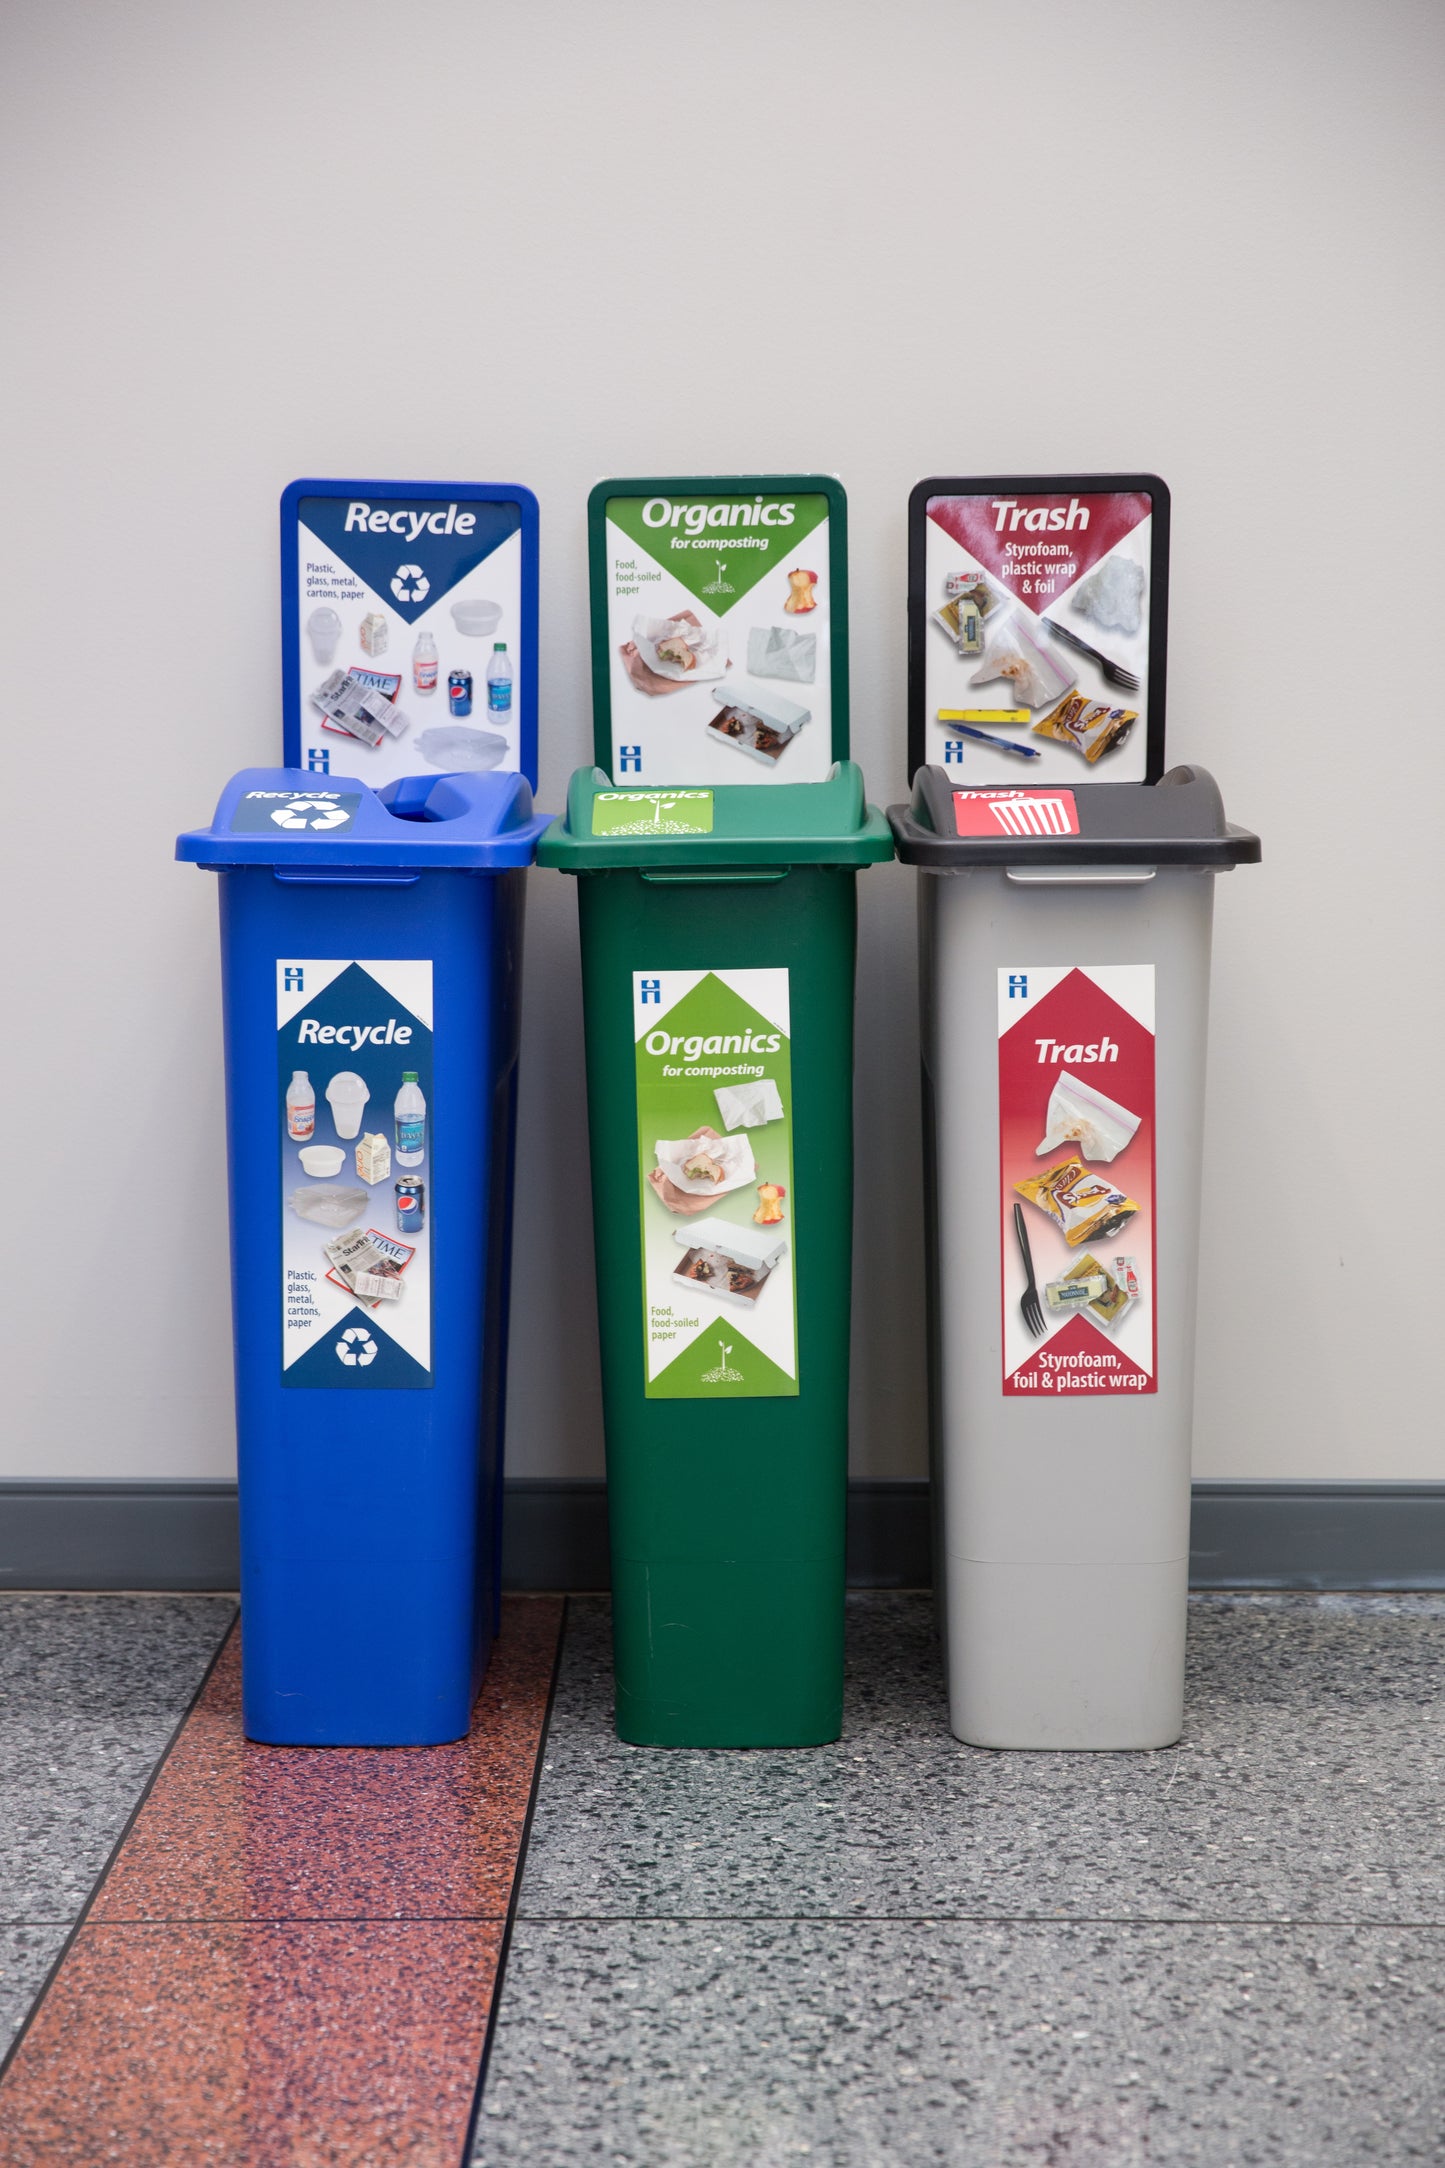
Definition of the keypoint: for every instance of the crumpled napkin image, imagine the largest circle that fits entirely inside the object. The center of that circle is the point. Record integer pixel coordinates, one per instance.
(690, 1194)
(776, 652)
(1081, 1116)
(748, 1106)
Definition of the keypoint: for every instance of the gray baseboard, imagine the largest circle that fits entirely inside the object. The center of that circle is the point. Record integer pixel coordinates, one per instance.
(175, 1535)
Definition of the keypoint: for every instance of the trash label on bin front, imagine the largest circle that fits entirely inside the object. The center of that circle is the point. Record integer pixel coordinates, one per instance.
(1076, 1178)
(715, 1139)
(353, 1107)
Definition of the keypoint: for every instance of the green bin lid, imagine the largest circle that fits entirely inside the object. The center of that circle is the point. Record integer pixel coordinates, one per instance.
(610, 827)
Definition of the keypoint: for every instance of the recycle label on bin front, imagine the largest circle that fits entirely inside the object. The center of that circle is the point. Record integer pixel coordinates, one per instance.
(354, 1089)
(715, 1151)
(1076, 1178)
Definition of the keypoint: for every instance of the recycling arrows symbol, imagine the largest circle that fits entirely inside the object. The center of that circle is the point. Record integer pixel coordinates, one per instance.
(356, 1348)
(327, 815)
(419, 588)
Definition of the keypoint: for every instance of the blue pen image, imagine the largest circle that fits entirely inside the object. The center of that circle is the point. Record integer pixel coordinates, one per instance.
(986, 737)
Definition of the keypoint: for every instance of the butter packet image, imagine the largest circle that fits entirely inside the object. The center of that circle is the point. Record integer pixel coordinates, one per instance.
(1083, 1205)
(1085, 1285)
(1092, 728)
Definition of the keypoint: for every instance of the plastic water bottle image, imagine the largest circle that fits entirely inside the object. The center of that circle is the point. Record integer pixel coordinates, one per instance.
(424, 663)
(499, 681)
(410, 1111)
(300, 1108)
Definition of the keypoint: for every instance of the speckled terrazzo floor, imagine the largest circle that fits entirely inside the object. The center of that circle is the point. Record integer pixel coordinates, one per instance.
(900, 1950)
(892, 1952)
(293, 1955)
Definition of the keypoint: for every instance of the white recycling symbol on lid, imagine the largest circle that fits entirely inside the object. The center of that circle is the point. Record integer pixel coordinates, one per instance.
(356, 1348)
(410, 584)
(327, 814)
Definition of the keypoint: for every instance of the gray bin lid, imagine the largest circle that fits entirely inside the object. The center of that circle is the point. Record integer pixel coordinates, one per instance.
(1178, 821)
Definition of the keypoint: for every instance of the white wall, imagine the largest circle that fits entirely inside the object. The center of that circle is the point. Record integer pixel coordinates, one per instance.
(549, 243)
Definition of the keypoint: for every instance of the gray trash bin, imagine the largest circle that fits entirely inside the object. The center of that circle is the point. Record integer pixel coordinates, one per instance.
(1065, 944)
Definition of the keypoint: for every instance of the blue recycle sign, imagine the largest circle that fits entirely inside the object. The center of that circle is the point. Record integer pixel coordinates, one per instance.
(419, 555)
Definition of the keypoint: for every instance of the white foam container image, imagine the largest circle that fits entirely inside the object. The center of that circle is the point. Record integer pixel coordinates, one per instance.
(322, 1159)
(753, 1247)
(783, 716)
(474, 616)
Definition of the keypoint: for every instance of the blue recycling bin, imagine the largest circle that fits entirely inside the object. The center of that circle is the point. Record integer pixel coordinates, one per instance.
(371, 950)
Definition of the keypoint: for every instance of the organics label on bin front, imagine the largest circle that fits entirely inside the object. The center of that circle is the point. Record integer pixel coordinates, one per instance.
(652, 813)
(1076, 1178)
(718, 618)
(715, 1140)
(353, 1107)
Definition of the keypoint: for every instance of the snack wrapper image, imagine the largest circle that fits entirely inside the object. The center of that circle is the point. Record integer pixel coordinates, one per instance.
(1011, 652)
(749, 1106)
(1092, 728)
(1081, 1116)
(1082, 1205)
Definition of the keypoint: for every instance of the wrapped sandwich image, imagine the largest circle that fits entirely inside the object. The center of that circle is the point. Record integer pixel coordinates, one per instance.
(666, 653)
(1084, 1206)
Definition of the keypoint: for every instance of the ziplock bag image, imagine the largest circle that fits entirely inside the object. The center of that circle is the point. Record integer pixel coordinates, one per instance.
(1080, 1115)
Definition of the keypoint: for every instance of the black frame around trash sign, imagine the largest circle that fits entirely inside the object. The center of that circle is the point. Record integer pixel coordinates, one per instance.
(1040, 485)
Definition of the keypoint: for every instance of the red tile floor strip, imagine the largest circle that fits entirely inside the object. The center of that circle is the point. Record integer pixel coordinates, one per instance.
(294, 1955)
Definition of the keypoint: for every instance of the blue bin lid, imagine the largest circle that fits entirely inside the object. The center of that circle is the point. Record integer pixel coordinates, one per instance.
(286, 817)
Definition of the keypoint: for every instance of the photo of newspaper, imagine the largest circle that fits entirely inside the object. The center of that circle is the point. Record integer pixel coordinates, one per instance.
(369, 1265)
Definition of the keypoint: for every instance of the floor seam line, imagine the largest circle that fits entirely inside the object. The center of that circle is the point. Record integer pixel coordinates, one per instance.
(519, 1869)
(23, 2028)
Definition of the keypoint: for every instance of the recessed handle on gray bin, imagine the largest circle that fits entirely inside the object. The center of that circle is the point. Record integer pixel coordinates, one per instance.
(728, 876)
(1081, 876)
(348, 876)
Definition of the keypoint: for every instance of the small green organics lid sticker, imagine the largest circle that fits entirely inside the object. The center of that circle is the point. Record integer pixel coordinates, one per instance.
(652, 813)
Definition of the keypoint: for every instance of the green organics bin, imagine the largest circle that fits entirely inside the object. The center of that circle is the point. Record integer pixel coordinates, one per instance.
(718, 937)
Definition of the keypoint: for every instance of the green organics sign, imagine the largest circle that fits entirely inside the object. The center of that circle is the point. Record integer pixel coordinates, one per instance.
(720, 547)
(715, 1145)
(652, 813)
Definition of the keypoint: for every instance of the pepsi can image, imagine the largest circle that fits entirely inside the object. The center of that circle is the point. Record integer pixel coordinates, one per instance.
(459, 691)
(410, 1207)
